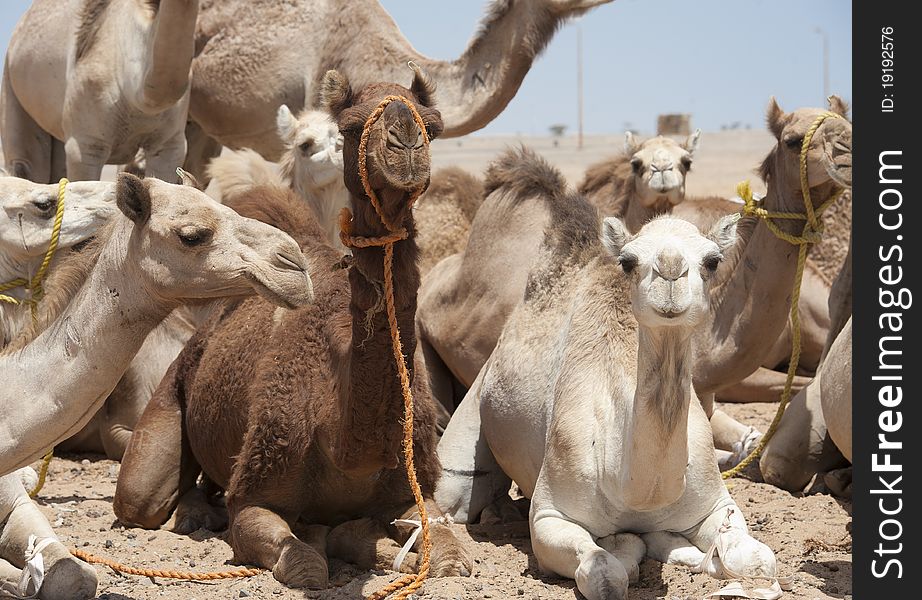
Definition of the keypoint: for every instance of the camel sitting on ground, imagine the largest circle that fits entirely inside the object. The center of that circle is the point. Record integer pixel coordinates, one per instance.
(90, 82)
(444, 214)
(170, 244)
(466, 299)
(646, 180)
(27, 214)
(285, 48)
(309, 427)
(587, 402)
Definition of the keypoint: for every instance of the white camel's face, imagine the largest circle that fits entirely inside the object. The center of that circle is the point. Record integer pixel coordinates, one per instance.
(316, 146)
(670, 264)
(27, 214)
(660, 165)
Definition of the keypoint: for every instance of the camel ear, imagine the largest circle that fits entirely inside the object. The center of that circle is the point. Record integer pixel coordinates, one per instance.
(335, 92)
(187, 178)
(838, 106)
(132, 197)
(422, 87)
(723, 233)
(630, 143)
(691, 144)
(776, 118)
(285, 123)
(614, 235)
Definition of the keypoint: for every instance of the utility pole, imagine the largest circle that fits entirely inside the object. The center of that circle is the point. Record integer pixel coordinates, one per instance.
(579, 86)
(825, 37)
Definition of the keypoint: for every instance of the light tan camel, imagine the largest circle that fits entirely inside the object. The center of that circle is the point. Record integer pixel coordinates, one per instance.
(466, 299)
(587, 402)
(173, 244)
(90, 82)
(259, 54)
(444, 214)
(646, 180)
(309, 428)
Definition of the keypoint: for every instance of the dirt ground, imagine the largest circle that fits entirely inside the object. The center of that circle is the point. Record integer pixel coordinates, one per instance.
(810, 535)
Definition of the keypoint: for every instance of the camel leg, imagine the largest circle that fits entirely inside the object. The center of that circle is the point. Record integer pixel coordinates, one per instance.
(765, 385)
(66, 577)
(163, 163)
(744, 555)
(367, 544)
(158, 466)
(119, 416)
(471, 478)
(27, 148)
(441, 384)
(672, 548)
(629, 549)
(262, 537)
(85, 158)
(201, 149)
(449, 558)
(194, 512)
(563, 547)
(58, 160)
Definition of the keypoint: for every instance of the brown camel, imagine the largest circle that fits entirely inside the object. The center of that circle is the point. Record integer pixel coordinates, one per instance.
(444, 213)
(308, 426)
(465, 301)
(255, 55)
(646, 180)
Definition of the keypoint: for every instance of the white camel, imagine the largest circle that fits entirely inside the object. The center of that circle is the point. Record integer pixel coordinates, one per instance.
(173, 245)
(587, 404)
(312, 165)
(27, 213)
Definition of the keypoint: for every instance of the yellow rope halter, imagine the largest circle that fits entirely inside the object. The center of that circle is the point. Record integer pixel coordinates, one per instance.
(36, 291)
(811, 234)
(408, 583)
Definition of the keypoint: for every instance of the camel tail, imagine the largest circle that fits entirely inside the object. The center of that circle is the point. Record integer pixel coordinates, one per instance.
(239, 170)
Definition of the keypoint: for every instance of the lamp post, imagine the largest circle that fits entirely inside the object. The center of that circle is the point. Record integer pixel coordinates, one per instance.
(825, 37)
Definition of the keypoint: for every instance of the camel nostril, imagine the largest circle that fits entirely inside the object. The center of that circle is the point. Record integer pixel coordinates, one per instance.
(288, 262)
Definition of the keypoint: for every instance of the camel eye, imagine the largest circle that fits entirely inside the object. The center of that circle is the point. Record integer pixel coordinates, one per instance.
(637, 164)
(306, 146)
(628, 262)
(44, 205)
(195, 237)
(686, 163)
(711, 261)
(794, 142)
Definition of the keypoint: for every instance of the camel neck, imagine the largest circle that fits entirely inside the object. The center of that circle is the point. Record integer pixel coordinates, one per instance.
(653, 467)
(372, 411)
(83, 353)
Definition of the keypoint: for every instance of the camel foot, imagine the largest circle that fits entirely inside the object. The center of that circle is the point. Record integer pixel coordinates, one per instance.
(629, 549)
(66, 577)
(741, 449)
(299, 566)
(502, 510)
(194, 512)
(839, 482)
(601, 576)
(449, 557)
(28, 477)
(742, 554)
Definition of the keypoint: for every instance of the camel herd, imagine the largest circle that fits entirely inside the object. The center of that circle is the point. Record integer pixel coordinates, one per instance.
(232, 349)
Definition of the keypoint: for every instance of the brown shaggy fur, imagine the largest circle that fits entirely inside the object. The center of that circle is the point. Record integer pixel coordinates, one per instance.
(444, 214)
(609, 185)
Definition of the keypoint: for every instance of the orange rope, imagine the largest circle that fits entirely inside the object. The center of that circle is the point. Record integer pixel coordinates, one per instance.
(406, 584)
(87, 557)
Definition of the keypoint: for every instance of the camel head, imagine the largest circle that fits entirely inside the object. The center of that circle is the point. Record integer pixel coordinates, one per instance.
(829, 158)
(398, 160)
(659, 166)
(670, 265)
(313, 148)
(27, 213)
(187, 246)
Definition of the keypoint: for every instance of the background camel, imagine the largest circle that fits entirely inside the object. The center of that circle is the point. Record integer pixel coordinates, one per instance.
(444, 214)
(90, 82)
(172, 244)
(313, 412)
(27, 214)
(646, 180)
(284, 50)
(587, 400)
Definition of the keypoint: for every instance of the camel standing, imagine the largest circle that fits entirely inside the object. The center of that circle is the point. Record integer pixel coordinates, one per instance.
(646, 180)
(313, 412)
(90, 82)
(444, 214)
(587, 402)
(284, 49)
(27, 213)
(171, 244)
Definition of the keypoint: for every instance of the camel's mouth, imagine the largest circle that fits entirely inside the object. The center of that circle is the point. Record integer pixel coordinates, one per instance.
(299, 291)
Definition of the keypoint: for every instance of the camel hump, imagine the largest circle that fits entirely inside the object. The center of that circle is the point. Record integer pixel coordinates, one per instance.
(524, 174)
(279, 207)
(599, 175)
(239, 170)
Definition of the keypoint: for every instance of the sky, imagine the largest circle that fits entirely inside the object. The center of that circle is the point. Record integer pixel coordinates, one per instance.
(718, 60)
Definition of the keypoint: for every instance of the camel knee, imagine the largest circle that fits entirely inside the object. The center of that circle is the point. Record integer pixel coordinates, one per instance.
(139, 510)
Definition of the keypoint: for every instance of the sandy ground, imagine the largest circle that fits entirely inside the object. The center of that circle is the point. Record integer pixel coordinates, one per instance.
(809, 534)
